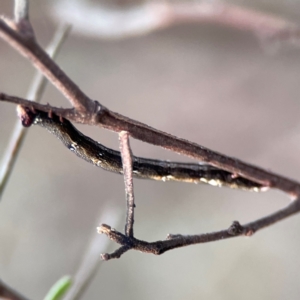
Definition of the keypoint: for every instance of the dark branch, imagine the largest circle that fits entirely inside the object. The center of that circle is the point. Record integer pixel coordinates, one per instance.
(116, 254)
(177, 241)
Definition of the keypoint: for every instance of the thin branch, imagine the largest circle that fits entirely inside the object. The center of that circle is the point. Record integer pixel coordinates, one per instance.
(93, 113)
(41, 60)
(127, 171)
(116, 122)
(7, 293)
(177, 241)
(35, 93)
(91, 262)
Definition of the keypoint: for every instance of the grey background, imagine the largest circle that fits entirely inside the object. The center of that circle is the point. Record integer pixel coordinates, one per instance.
(215, 86)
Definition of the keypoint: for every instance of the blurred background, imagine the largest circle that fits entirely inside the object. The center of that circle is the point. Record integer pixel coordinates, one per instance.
(215, 85)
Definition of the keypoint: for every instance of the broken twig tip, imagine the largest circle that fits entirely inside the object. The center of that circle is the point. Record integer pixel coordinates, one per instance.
(103, 228)
(104, 256)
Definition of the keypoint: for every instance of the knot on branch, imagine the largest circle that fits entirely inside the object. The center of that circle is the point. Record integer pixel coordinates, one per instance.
(25, 29)
(235, 229)
(99, 111)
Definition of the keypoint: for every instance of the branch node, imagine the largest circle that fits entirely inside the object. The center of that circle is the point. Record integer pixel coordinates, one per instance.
(25, 29)
(235, 229)
(99, 112)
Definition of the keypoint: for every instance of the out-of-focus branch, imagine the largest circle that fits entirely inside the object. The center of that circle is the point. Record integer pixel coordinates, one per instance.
(91, 262)
(7, 293)
(35, 93)
(93, 113)
(122, 22)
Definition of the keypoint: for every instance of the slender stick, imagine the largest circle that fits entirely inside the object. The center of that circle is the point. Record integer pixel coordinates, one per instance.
(93, 113)
(41, 60)
(116, 122)
(178, 240)
(127, 171)
(91, 263)
(7, 293)
(35, 93)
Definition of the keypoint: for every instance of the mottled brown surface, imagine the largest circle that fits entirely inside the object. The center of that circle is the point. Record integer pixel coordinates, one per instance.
(218, 87)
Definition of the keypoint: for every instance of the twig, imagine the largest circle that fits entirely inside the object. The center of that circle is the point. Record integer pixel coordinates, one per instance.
(41, 60)
(35, 93)
(7, 293)
(127, 171)
(177, 241)
(126, 155)
(116, 254)
(93, 113)
(91, 262)
(116, 122)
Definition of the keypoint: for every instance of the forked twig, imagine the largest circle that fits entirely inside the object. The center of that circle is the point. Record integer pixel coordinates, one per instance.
(176, 241)
(126, 154)
(91, 112)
